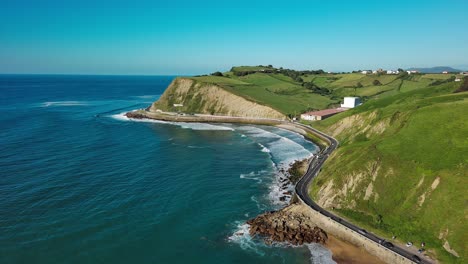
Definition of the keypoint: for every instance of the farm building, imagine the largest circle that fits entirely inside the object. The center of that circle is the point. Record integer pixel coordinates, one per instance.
(322, 114)
(351, 102)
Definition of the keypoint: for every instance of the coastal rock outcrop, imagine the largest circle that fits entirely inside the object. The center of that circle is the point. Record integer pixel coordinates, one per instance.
(188, 95)
(286, 226)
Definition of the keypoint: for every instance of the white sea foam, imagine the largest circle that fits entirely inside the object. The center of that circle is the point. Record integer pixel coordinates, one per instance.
(64, 103)
(193, 126)
(203, 126)
(252, 176)
(147, 96)
(260, 206)
(264, 149)
(195, 147)
(257, 132)
(242, 237)
(320, 254)
(284, 148)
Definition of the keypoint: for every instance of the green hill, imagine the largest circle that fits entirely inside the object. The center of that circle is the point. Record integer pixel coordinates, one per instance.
(402, 165)
(401, 168)
(293, 92)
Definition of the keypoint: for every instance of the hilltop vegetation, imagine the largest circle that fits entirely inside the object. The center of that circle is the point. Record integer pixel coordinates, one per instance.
(401, 168)
(293, 92)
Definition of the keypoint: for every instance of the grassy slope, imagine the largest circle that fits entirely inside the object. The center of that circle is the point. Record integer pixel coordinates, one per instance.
(290, 97)
(275, 90)
(424, 138)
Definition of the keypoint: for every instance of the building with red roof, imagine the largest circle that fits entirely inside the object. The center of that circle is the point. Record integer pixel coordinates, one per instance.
(322, 114)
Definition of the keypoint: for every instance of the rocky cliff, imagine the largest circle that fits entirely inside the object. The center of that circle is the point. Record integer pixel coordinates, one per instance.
(190, 96)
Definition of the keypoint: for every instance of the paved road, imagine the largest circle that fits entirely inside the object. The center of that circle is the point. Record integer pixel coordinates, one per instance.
(302, 189)
(315, 165)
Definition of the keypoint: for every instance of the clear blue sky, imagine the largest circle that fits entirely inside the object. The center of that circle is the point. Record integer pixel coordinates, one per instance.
(192, 37)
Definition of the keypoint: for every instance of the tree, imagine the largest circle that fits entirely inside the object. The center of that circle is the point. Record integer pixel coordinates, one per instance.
(376, 83)
(217, 74)
(359, 85)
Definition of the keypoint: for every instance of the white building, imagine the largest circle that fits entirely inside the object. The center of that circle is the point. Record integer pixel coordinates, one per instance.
(322, 114)
(351, 102)
(365, 72)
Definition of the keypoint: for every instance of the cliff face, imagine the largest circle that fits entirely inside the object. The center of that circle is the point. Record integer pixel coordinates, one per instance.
(189, 96)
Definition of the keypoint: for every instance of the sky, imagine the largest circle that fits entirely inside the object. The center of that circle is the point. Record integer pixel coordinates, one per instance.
(158, 37)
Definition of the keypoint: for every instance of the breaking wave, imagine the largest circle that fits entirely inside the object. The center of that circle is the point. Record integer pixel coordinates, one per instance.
(193, 126)
(320, 254)
(242, 237)
(64, 103)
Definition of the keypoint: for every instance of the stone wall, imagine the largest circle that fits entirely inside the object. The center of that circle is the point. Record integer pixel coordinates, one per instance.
(346, 234)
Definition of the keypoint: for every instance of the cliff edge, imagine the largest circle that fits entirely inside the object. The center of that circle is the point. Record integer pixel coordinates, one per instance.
(190, 96)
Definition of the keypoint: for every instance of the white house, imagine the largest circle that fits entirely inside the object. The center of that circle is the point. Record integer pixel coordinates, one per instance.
(458, 80)
(351, 102)
(365, 72)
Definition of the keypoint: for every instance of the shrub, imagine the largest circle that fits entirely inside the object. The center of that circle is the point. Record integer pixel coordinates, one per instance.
(217, 74)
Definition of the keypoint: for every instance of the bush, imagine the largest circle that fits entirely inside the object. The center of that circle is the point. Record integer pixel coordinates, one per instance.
(376, 83)
(217, 74)
(464, 86)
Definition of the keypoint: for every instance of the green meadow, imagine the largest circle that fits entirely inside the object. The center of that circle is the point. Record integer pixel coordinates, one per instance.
(294, 92)
(412, 148)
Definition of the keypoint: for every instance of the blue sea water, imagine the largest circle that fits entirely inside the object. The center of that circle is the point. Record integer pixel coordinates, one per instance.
(80, 183)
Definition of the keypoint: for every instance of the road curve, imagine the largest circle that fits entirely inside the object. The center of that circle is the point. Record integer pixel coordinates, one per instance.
(302, 190)
(302, 186)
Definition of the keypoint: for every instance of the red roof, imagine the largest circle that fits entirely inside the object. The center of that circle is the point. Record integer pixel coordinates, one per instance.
(326, 112)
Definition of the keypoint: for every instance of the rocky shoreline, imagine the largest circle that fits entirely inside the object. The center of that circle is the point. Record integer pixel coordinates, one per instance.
(289, 177)
(294, 223)
(284, 226)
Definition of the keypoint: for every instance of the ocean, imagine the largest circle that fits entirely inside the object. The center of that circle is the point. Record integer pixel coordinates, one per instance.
(80, 183)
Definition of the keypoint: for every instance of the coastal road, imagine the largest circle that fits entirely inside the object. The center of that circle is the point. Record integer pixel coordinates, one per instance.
(302, 186)
(302, 190)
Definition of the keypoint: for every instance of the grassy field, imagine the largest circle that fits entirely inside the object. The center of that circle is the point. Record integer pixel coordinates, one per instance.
(401, 168)
(272, 87)
(275, 90)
